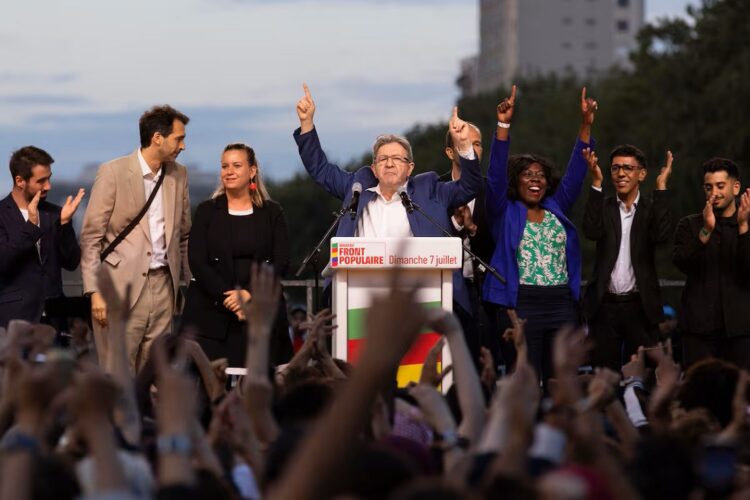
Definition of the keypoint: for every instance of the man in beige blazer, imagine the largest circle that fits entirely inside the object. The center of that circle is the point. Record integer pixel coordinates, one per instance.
(153, 256)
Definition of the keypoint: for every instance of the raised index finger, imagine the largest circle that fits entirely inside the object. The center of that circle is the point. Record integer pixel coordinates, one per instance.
(583, 94)
(670, 158)
(512, 94)
(307, 91)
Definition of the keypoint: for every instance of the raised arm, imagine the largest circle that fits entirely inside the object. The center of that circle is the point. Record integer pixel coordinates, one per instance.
(570, 185)
(662, 224)
(66, 244)
(593, 217)
(497, 175)
(467, 187)
(743, 238)
(326, 174)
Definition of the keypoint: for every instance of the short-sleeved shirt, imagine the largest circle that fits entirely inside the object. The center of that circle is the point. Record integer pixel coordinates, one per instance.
(541, 255)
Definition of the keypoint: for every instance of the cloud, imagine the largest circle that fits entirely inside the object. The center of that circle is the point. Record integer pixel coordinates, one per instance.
(9, 77)
(43, 99)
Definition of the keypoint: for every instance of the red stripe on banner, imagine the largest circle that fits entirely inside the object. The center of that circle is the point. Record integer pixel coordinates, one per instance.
(415, 355)
(419, 349)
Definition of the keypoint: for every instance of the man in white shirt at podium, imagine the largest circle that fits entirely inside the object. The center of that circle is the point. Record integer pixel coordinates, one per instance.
(381, 212)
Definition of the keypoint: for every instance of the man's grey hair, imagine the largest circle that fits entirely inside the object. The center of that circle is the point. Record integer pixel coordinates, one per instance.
(384, 139)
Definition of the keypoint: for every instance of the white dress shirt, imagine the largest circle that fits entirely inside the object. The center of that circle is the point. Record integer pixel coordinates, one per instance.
(383, 218)
(622, 279)
(155, 214)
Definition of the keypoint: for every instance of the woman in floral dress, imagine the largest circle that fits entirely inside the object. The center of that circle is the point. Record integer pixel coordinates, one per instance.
(537, 248)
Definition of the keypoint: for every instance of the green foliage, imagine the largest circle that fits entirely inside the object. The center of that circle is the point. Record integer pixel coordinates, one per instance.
(688, 91)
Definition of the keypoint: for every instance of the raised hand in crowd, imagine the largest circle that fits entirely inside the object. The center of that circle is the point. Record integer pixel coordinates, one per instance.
(636, 367)
(92, 403)
(261, 312)
(743, 212)
(505, 115)
(517, 335)
(175, 412)
(306, 111)
(588, 111)
(438, 415)
(70, 206)
(468, 386)
(593, 162)
(667, 379)
(393, 322)
(666, 171)
(430, 374)
(319, 328)
(487, 372)
(231, 425)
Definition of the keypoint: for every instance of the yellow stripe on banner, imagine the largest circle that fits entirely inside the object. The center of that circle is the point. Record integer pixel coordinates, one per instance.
(410, 373)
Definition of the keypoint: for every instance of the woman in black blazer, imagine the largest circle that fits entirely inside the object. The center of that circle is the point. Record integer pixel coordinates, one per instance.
(239, 225)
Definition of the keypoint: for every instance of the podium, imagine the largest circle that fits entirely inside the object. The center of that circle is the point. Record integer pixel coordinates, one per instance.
(360, 270)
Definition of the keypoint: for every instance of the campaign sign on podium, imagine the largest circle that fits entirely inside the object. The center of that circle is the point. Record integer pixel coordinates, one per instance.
(360, 270)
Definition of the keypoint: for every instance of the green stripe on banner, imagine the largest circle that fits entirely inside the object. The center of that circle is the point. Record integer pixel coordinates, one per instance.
(355, 320)
(415, 355)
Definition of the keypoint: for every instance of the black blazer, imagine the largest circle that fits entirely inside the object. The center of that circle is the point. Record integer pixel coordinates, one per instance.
(653, 224)
(26, 279)
(481, 243)
(210, 258)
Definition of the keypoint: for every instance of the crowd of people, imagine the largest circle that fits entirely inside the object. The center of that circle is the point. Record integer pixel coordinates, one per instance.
(135, 405)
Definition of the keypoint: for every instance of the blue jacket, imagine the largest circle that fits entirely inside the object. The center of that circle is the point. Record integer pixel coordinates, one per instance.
(508, 220)
(434, 197)
(26, 279)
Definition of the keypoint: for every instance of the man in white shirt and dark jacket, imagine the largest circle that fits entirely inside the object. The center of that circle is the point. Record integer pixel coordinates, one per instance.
(623, 301)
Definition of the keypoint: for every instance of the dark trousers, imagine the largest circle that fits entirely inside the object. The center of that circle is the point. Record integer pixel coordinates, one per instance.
(619, 327)
(716, 345)
(546, 310)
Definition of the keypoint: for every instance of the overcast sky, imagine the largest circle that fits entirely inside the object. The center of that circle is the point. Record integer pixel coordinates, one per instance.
(75, 75)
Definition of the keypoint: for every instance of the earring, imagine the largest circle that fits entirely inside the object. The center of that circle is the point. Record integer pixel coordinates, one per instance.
(252, 186)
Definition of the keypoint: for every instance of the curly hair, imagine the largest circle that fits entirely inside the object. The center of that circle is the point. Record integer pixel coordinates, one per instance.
(519, 163)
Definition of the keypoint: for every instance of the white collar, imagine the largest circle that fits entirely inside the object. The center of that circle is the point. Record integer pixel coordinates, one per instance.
(622, 206)
(376, 190)
(145, 169)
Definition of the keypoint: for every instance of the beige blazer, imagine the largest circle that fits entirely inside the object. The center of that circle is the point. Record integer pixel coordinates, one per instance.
(116, 198)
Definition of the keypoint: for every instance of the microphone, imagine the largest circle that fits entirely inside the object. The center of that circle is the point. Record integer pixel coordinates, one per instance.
(405, 200)
(356, 191)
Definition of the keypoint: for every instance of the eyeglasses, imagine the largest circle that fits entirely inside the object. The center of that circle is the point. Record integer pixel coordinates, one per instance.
(397, 159)
(628, 169)
(533, 174)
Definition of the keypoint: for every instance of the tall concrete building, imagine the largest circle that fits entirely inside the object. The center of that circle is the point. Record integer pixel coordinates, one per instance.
(529, 37)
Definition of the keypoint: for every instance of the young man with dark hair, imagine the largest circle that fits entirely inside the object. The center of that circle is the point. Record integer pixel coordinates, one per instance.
(36, 238)
(623, 301)
(152, 257)
(713, 249)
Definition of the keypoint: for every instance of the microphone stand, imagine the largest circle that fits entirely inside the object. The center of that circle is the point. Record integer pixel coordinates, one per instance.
(309, 260)
(408, 203)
